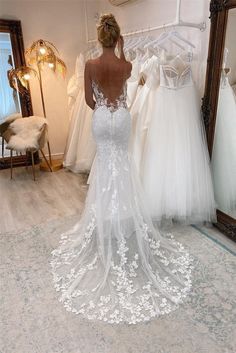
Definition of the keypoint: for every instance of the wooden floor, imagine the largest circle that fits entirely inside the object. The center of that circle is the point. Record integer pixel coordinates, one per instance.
(25, 202)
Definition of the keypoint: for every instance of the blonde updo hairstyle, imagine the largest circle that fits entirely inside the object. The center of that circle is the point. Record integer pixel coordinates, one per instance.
(108, 31)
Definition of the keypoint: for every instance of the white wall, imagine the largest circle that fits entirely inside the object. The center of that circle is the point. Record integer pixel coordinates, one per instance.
(142, 14)
(62, 22)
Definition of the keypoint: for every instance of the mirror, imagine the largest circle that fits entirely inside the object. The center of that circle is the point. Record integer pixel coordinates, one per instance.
(224, 144)
(219, 111)
(9, 97)
(11, 102)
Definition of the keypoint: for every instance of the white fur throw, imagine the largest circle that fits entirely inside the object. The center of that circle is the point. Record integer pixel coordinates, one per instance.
(26, 133)
(12, 117)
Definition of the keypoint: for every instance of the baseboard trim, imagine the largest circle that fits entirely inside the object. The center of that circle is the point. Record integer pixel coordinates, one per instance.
(213, 239)
(55, 155)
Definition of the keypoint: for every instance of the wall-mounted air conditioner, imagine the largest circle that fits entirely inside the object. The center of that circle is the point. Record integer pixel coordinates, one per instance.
(119, 2)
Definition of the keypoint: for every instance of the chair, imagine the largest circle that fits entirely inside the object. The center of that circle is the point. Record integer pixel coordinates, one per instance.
(27, 135)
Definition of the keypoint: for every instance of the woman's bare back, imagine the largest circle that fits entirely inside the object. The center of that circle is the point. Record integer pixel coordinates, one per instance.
(109, 73)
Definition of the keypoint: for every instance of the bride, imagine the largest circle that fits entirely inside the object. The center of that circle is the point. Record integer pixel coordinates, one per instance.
(114, 265)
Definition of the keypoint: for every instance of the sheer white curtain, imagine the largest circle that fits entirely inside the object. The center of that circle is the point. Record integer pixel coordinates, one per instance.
(7, 104)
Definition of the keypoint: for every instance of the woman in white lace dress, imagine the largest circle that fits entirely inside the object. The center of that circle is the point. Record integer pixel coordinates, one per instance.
(113, 265)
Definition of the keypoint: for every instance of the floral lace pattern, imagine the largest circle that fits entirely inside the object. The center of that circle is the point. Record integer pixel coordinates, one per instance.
(101, 100)
(114, 265)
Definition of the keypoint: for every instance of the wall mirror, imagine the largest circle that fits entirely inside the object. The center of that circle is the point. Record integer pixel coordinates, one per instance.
(219, 111)
(11, 102)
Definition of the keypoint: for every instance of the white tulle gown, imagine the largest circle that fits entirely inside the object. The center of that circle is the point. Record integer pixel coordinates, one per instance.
(113, 265)
(224, 148)
(80, 147)
(175, 168)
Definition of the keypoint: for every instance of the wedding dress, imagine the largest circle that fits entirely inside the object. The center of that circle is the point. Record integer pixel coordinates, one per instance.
(133, 81)
(141, 105)
(113, 265)
(80, 147)
(175, 168)
(224, 148)
(74, 83)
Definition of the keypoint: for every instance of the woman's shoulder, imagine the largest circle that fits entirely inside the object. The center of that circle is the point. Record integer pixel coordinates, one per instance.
(127, 65)
(91, 62)
(119, 65)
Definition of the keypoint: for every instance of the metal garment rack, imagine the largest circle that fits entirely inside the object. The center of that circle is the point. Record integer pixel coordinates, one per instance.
(176, 23)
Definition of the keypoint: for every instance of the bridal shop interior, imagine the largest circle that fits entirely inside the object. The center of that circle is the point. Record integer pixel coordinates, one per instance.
(176, 182)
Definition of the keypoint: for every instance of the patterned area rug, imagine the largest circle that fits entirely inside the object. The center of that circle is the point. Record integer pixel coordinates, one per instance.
(33, 321)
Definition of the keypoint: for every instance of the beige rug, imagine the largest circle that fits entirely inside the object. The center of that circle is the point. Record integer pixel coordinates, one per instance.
(33, 321)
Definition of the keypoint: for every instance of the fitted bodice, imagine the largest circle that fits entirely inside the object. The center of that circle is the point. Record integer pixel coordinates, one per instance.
(111, 124)
(172, 78)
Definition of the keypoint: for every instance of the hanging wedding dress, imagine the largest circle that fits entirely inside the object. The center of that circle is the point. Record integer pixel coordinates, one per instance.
(113, 265)
(133, 81)
(224, 147)
(80, 148)
(140, 109)
(176, 172)
(74, 83)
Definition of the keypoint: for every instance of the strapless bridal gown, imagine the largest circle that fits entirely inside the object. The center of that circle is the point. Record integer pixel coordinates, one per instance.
(114, 265)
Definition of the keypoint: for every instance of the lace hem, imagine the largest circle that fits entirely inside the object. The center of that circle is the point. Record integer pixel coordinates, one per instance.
(128, 290)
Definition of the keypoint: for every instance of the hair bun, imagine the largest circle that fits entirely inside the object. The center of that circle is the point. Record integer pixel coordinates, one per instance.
(108, 19)
(108, 30)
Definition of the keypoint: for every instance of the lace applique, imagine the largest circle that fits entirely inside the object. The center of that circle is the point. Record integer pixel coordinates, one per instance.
(101, 100)
(131, 301)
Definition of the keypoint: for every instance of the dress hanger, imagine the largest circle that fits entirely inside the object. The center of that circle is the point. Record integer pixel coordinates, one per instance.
(130, 42)
(163, 35)
(179, 36)
(142, 39)
(175, 34)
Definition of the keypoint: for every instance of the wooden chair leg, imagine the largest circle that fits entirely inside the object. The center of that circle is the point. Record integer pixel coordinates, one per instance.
(27, 162)
(11, 163)
(33, 168)
(3, 149)
(46, 160)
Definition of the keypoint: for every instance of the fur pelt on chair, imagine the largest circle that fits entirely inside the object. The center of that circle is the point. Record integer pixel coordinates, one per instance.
(12, 117)
(4, 125)
(26, 133)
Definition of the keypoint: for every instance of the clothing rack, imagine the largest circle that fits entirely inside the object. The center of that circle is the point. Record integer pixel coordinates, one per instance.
(176, 23)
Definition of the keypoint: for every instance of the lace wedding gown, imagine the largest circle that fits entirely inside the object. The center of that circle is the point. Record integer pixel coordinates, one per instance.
(113, 265)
